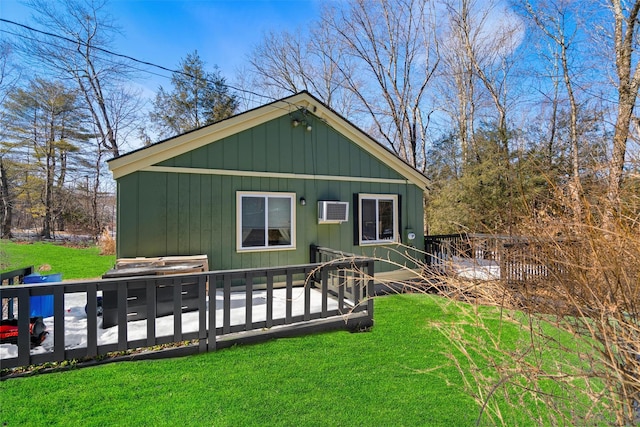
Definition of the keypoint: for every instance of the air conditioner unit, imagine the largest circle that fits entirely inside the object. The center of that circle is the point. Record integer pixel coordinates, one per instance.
(333, 212)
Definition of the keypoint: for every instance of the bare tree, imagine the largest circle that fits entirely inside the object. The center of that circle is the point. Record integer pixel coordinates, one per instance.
(286, 63)
(624, 37)
(391, 53)
(489, 50)
(552, 19)
(370, 60)
(80, 31)
(279, 64)
(458, 87)
(485, 37)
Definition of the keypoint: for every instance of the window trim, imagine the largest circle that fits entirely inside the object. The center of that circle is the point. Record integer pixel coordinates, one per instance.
(266, 195)
(396, 219)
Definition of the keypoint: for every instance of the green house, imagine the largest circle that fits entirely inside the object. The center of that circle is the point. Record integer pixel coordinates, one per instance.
(259, 188)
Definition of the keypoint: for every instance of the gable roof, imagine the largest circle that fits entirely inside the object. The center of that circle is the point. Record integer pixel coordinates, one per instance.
(172, 147)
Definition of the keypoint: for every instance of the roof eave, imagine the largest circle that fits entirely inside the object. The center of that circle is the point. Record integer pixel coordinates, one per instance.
(156, 153)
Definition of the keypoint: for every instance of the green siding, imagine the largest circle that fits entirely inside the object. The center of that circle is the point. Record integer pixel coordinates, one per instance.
(278, 147)
(187, 214)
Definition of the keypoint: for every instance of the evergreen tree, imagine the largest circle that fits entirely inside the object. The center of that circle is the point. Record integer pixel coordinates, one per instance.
(198, 98)
(44, 126)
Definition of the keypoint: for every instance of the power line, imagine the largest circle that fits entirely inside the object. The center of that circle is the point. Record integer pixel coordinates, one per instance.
(33, 39)
(127, 57)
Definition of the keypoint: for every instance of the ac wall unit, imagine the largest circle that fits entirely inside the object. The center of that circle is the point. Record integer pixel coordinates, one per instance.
(333, 212)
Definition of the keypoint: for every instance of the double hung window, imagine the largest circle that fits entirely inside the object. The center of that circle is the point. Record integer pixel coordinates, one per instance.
(266, 221)
(378, 218)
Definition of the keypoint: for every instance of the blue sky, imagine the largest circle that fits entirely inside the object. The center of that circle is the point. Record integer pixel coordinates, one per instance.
(164, 31)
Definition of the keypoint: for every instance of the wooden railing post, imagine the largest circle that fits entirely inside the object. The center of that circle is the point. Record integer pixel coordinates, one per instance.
(202, 314)
(92, 320)
(14, 277)
(212, 336)
(248, 292)
(324, 286)
(151, 292)
(24, 344)
(269, 320)
(370, 288)
(58, 323)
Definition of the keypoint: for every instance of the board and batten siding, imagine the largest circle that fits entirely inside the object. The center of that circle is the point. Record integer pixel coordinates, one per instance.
(187, 206)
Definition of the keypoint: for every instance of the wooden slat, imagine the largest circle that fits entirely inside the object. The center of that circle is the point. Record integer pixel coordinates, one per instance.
(24, 341)
(370, 288)
(356, 289)
(307, 296)
(202, 314)
(325, 290)
(288, 297)
(341, 284)
(177, 310)
(248, 322)
(226, 306)
(269, 321)
(212, 339)
(92, 320)
(122, 315)
(151, 303)
(58, 323)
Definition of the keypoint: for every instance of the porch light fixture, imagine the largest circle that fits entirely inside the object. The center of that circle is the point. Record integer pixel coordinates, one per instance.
(303, 201)
(295, 123)
(301, 117)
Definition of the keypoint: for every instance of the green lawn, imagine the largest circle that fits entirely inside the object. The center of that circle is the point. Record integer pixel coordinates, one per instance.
(396, 374)
(73, 263)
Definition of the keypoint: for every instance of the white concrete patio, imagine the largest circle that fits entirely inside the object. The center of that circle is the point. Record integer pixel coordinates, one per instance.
(76, 318)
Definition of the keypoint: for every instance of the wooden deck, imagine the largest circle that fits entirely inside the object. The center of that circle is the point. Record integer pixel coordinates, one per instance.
(514, 260)
(294, 300)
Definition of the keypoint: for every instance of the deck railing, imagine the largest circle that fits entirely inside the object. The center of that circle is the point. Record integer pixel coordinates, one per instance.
(441, 249)
(14, 277)
(350, 310)
(346, 283)
(534, 260)
(520, 259)
(9, 278)
(322, 254)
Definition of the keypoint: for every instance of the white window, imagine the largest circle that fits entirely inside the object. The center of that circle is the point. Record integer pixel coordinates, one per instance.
(378, 218)
(266, 221)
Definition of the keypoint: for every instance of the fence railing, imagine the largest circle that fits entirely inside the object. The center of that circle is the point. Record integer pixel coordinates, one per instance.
(9, 278)
(441, 249)
(322, 254)
(14, 277)
(216, 298)
(519, 259)
(345, 283)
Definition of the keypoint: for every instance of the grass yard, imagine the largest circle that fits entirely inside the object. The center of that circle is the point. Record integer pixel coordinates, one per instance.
(396, 374)
(73, 263)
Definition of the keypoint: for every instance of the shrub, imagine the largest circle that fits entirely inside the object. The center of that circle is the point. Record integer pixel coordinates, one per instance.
(107, 243)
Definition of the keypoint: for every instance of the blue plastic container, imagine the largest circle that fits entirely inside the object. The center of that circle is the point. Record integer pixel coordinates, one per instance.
(42, 306)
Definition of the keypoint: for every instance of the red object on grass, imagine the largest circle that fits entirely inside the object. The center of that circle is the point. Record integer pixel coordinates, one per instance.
(9, 331)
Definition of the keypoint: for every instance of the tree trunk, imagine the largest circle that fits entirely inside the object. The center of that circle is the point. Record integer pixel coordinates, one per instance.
(616, 163)
(50, 165)
(628, 83)
(6, 212)
(48, 193)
